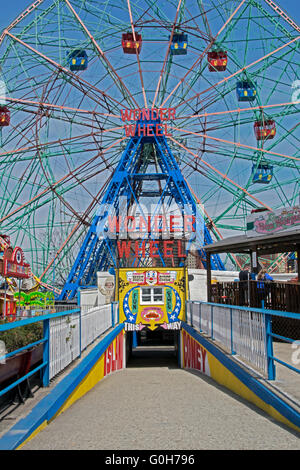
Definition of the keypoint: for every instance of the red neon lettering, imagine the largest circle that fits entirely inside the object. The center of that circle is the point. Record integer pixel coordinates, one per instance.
(126, 220)
(154, 114)
(146, 114)
(181, 254)
(130, 130)
(142, 130)
(150, 130)
(173, 223)
(137, 249)
(157, 227)
(124, 248)
(168, 251)
(126, 115)
(172, 113)
(189, 224)
(153, 249)
(114, 224)
(166, 133)
(159, 131)
(163, 112)
(143, 225)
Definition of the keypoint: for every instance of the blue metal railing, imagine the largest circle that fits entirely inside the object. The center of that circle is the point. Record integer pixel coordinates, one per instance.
(269, 335)
(44, 366)
(89, 329)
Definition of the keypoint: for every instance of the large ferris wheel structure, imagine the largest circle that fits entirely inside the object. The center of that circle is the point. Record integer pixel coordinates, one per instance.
(228, 70)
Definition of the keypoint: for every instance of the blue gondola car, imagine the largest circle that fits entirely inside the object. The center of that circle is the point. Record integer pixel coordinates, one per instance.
(78, 60)
(179, 44)
(262, 174)
(245, 90)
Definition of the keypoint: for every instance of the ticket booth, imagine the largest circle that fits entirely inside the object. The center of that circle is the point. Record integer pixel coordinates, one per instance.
(151, 297)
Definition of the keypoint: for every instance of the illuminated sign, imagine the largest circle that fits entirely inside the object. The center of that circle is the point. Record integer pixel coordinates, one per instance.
(127, 247)
(156, 224)
(149, 122)
(266, 223)
(14, 265)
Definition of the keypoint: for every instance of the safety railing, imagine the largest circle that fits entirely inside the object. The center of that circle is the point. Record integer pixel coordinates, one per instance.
(96, 320)
(243, 331)
(65, 336)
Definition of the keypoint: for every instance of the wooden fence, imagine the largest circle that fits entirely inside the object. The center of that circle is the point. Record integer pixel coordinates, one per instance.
(282, 296)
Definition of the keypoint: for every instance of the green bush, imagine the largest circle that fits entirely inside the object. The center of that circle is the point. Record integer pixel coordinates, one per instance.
(22, 336)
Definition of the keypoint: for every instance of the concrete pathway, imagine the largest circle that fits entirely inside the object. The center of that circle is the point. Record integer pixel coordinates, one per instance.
(156, 406)
(287, 380)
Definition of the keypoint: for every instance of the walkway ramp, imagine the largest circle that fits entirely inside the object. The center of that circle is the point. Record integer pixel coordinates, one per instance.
(147, 400)
(162, 408)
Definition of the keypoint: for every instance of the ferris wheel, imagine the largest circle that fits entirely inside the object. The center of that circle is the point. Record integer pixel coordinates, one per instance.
(228, 70)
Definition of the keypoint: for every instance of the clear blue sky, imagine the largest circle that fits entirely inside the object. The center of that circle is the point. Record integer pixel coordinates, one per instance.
(13, 8)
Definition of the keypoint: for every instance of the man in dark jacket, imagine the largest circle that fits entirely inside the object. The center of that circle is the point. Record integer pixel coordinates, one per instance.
(244, 277)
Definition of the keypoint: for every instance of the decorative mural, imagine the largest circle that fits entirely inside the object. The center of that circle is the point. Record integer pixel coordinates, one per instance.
(150, 298)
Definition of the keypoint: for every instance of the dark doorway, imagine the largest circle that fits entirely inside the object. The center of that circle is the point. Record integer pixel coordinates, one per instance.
(158, 348)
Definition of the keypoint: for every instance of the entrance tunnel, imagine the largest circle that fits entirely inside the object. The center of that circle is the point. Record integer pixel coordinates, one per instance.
(147, 348)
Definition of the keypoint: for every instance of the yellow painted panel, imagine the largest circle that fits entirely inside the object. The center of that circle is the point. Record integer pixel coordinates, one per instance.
(152, 311)
(40, 428)
(226, 378)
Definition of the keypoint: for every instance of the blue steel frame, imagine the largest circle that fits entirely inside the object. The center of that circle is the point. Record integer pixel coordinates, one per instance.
(98, 252)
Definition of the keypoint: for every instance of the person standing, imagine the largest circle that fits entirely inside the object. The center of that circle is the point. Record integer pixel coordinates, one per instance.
(263, 289)
(244, 278)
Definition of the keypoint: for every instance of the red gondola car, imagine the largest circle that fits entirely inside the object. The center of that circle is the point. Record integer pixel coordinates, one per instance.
(131, 46)
(217, 61)
(4, 116)
(265, 129)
